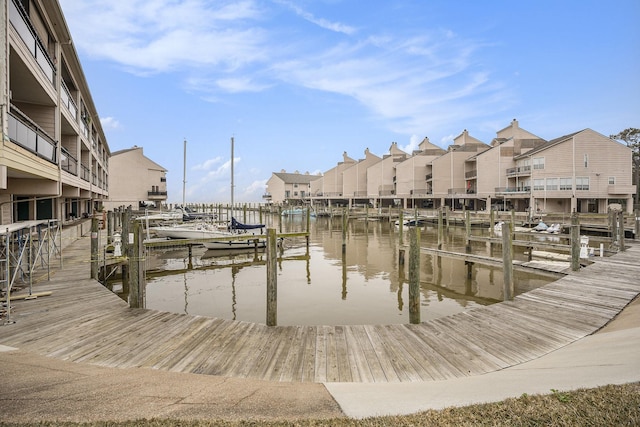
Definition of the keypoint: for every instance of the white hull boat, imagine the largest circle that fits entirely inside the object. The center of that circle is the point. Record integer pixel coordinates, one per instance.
(199, 231)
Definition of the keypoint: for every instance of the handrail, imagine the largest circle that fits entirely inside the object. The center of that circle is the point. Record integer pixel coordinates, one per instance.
(27, 134)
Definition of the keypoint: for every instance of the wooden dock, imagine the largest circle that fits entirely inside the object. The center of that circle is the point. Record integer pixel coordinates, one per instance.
(82, 321)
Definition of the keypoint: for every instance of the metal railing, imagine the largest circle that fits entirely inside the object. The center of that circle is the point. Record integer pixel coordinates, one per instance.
(68, 162)
(85, 173)
(28, 135)
(22, 24)
(520, 170)
(67, 101)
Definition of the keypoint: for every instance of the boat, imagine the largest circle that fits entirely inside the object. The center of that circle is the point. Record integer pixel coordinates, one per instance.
(294, 211)
(176, 214)
(189, 231)
(411, 222)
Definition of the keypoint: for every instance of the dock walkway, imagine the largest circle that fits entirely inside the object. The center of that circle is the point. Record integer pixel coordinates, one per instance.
(81, 321)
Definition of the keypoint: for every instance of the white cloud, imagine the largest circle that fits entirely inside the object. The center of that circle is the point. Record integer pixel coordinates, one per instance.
(414, 141)
(321, 22)
(207, 164)
(109, 123)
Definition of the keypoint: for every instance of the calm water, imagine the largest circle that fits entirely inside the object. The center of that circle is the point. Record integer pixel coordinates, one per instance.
(319, 286)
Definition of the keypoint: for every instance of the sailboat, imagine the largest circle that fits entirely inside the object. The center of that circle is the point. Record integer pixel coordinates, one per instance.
(236, 228)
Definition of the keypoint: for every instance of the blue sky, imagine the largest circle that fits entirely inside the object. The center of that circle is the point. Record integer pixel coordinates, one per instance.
(297, 83)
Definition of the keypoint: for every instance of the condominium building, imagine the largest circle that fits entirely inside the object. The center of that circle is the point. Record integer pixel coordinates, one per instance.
(583, 172)
(289, 188)
(145, 184)
(54, 156)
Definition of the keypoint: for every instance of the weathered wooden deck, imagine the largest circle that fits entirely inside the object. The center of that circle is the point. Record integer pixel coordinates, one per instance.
(84, 322)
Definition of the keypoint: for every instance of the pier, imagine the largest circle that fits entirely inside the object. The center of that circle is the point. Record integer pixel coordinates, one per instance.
(82, 321)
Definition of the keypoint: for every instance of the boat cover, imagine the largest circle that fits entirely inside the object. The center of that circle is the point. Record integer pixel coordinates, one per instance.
(235, 225)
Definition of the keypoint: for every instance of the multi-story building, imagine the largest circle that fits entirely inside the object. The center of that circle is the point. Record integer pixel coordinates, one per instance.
(583, 172)
(145, 183)
(54, 156)
(289, 188)
(330, 185)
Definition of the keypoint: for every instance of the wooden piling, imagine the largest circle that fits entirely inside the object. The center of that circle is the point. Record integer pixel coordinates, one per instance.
(345, 223)
(272, 278)
(94, 248)
(440, 229)
(621, 230)
(636, 229)
(507, 261)
(400, 227)
(136, 268)
(575, 242)
(491, 223)
(467, 229)
(414, 275)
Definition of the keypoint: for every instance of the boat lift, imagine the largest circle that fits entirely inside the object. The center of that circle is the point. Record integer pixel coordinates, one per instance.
(24, 248)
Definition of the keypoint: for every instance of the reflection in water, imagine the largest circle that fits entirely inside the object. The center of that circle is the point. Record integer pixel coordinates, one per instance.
(233, 285)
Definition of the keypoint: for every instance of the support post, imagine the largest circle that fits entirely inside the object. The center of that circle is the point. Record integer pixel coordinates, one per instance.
(400, 227)
(467, 228)
(636, 229)
(94, 248)
(345, 220)
(440, 229)
(621, 230)
(414, 275)
(507, 261)
(136, 268)
(575, 242)
(272, 278)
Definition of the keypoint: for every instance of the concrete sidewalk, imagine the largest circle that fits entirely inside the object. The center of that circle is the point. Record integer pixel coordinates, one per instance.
(611, 356)
(36, 388)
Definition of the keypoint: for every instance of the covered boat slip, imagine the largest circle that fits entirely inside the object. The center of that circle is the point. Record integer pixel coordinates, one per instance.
(82, 321)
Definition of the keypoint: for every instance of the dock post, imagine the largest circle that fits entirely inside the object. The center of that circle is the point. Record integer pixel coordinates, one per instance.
(613, 226)
(621, 230)
(94, 248)
(401, 252)
(575, 242)
(636, 229)
(467, 228)
(345, 220)
(400, 227)
(507, 261)
(414, 275)
(136, 268)
(308, 236)
(491, 223)
(440, 229)
(272, 278)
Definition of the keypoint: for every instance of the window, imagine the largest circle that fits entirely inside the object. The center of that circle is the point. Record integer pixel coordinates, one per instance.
(586, 160)
(538, 184)
(582, 183)
(538, 163)
(552, 183)
(612, 180)
(565, 184)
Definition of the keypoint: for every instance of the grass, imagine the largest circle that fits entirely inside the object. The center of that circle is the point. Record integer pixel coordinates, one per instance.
(612, 405)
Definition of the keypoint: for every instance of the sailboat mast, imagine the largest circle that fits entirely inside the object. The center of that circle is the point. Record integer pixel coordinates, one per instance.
(184, 174)
(232, 184)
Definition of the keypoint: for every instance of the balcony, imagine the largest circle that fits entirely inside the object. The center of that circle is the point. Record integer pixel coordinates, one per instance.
(68, 162)
(519, 171)
(157, 195)
(67, 101)
(512, 191)
(85, 173)
(22, 24)
(461, 190)
(428, 177)
(471, 174)
(266, 196)
(28, 135)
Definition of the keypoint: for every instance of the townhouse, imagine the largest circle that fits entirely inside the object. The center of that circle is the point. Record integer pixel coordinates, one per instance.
(146, 183)
(54, 157)
(583, 172)
(289, 188)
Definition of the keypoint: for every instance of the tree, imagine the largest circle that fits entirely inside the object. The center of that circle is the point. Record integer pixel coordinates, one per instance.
(631, 137)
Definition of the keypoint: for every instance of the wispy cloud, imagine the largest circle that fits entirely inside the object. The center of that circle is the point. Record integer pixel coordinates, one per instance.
(321, 22)
(207, 164)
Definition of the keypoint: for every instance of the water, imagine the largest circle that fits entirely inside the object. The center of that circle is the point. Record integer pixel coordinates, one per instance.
(318, 286)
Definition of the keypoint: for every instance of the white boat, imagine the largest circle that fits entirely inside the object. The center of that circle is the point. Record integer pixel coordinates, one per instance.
(172, 215)
(189, 231)
(294, 211)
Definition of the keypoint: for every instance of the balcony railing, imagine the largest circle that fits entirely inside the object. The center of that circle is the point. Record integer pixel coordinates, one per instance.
(266, 196)
(20, 21)
(68, 162)
(68, 101)
(156, 194)
(428, 177)
(457, 191)
(519, 171)
(28, 135)
(471, 174)
(85, 173)
(512, 190)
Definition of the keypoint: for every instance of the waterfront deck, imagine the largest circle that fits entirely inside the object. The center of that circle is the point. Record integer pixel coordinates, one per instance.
(82, 321)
